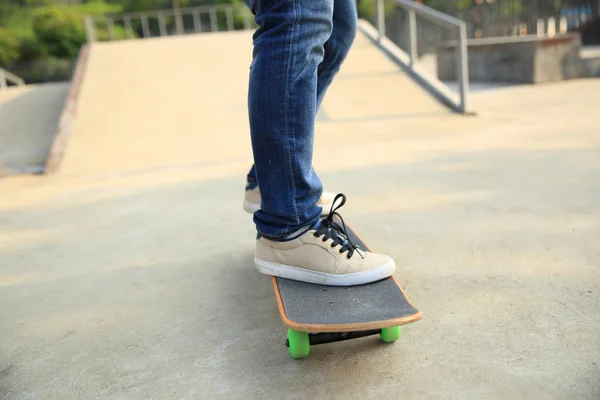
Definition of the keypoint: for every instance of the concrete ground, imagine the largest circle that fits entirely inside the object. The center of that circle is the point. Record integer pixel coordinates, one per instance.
(25, 140)
(128, 275)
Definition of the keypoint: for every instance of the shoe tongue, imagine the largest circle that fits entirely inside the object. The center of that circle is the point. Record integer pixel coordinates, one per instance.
(336, 226)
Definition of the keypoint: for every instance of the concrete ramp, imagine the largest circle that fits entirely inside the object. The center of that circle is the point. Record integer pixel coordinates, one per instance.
(182, 100)
(29, 118)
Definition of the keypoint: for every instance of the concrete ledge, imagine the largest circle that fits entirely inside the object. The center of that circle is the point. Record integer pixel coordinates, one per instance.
(591, 67)
(590, 58)
(65, 124)
(528, 59)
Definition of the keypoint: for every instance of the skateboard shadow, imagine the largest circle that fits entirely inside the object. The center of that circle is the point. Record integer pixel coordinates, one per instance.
(251, 308)
(249, 294)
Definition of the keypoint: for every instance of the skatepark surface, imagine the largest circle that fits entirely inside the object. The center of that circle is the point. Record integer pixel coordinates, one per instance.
(128, 273)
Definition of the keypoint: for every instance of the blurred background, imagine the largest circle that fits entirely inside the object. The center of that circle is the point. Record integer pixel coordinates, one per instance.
(39, 39)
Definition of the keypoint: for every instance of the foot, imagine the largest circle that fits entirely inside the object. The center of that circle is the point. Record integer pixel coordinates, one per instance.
(252, 201)
(322, 254)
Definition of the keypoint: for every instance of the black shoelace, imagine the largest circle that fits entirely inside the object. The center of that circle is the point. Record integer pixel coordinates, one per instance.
(331, 230)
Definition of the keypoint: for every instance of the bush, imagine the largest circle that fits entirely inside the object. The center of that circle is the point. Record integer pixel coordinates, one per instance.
(97, 8)
(30, 49)
(143, 5)
(9, 47)
(102, 32)
(43, 70)
(60, 30)
(367, 9)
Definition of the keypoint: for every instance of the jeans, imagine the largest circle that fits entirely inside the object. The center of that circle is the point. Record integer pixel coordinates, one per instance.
(298, 48)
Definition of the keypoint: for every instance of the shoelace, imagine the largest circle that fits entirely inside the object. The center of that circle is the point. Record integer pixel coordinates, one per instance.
(331, 230)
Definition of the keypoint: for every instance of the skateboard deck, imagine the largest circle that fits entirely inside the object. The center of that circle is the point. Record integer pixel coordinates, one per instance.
(317, 314)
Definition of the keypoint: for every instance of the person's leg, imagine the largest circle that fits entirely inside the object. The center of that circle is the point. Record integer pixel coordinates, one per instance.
(251, 181)
(335, 51)
(288, 48)
(345, 23)
(293, 242)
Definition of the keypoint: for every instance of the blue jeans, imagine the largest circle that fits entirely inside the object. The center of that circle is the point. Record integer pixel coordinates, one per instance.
(298, 48)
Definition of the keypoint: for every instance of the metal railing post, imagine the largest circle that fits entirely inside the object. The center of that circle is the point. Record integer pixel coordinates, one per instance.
(380, 18)
(162, 26)
(214, 26)
(90, 32)
(462, 66)
(111, 28)
(247, 23)
(412, 36)
(179, 23)
(128, 28)
(6, 77)
(229, 16)
(197, 23)
(145, 26)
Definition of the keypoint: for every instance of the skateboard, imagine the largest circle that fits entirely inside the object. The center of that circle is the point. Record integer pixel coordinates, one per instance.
(317, 314)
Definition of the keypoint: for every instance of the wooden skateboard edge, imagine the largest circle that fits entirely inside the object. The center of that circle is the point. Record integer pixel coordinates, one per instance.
(361, 326)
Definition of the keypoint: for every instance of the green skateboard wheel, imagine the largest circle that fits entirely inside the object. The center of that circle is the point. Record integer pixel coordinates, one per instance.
(299, 343)
(390, 334)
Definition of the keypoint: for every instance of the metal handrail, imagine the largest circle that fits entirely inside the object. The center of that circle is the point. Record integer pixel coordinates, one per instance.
(160, 16)
(170, 11)
(6, 77)
(438, 17)
(444, 21)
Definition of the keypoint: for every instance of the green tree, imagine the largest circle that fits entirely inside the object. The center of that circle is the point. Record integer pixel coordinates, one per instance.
(444, 5)
(6, 7)
(9, 47)
(60, 30)
(31, 49)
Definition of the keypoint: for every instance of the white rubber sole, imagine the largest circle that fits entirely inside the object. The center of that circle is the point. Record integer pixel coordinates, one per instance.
(253, 207)
(323, 278)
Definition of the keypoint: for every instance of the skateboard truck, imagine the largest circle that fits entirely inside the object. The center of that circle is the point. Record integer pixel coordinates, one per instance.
(330, 337)
(299, 342)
